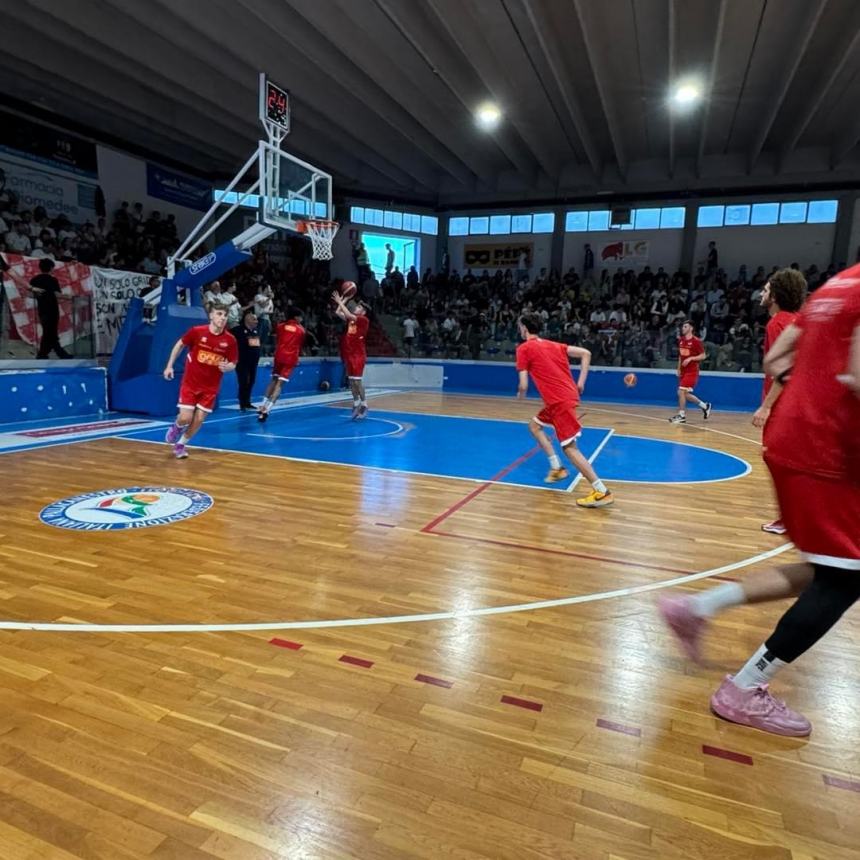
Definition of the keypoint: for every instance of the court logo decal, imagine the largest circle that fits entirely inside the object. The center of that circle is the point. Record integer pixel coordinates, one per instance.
(129, 508)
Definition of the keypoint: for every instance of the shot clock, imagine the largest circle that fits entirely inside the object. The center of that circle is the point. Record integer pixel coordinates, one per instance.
(274, 106)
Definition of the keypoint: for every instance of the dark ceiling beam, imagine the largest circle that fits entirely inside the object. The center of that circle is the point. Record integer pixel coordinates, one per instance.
(549, 44)
(801, 120)
(806, 31)
(429, 36)
(844, 144)
(592, 43)
(709, 92)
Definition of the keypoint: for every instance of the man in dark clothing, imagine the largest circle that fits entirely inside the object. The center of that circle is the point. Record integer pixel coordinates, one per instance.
(46, 288)
(247, 335)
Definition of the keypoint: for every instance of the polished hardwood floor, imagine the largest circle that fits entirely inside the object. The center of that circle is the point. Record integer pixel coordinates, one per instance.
(568, 731)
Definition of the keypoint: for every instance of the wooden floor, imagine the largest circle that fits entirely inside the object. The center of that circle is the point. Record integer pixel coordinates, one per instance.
(573, 731)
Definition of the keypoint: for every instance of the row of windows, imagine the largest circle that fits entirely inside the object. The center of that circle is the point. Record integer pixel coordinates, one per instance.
(252, 201)
(501, 225)
(665, 218)
(412, 222)
(757, 214)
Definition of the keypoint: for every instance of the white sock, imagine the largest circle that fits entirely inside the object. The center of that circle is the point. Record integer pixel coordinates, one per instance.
(716, 599)
(183, 440)
(703, 406)
(682, 412)
(355, 403)
(599, 486)
(362, 402)
(758, 670)
(554, 462)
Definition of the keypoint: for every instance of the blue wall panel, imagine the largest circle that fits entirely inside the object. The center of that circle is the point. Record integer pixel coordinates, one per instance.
(28, 395)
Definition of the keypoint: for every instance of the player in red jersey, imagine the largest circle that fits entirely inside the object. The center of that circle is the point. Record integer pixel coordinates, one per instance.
(548, 364)
(811, 450)
(212, 352)
(691, 352)
(289, 337)
(783, 297)
(353, 350)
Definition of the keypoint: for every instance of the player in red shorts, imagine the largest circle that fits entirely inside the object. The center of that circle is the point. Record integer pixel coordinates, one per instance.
(353, 350)
(783, 297)
(812, 453)
(212, 352)
(691, 353)
(548, 364)
(289, 337)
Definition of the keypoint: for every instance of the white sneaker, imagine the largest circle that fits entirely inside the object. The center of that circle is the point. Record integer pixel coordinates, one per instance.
(678, 419)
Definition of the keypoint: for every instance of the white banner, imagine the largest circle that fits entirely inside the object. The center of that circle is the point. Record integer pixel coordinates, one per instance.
(622, 253)
(112, 291)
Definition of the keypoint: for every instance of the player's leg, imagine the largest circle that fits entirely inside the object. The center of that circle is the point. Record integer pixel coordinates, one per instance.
(556, 471)
(600, 495)
(680, 417)
(362, 397)
(688, 616)
(273, 392)
(197, 418)
(703, 405)
(182, 421)
(744, 697)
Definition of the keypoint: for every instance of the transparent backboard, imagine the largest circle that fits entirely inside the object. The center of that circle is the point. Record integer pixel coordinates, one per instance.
(291, 189)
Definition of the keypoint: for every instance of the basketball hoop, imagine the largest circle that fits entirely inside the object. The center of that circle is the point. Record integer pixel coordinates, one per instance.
(321, 233)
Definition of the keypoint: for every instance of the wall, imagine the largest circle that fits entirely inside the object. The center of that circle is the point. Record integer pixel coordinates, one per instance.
(30, 395)
(776, 245)
(664, 248)
(541, 248)
(123, 177)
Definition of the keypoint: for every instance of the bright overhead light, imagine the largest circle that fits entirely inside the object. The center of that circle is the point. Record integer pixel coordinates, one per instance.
(488, 115)
(687, 93)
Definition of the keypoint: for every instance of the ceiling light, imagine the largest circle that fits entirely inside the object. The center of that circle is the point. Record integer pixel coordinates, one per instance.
(488, 115)
(687, 93)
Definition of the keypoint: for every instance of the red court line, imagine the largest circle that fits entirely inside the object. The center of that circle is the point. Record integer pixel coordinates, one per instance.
(619, 727)
(563, 552)
(838, 782)
(727, 754)
(436, 682)
(356, 661)
(285, 643)
(477, 492)
(521, 703)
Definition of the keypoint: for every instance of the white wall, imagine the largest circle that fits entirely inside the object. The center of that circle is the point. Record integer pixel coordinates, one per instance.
(343, 266)
(541, 248)
(123, 177)
(664, 249)
(773, 245)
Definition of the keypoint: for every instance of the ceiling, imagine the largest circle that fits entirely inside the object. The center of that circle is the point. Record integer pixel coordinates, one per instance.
(383, 91)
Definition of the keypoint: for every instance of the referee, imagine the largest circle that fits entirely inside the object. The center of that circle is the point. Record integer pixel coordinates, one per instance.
(247, 335)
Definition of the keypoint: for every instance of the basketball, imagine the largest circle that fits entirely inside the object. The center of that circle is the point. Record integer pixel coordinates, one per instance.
(348, 289)
(630, 380)
(325, 385)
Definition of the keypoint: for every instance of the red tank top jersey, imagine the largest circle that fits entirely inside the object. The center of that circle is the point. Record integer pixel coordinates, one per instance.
(290, 337)
(547, 363)
(352, 341)
(205, 352)
(817, 425)
(776, 325)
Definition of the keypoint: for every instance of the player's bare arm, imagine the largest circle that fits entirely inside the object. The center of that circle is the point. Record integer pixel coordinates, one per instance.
(780, 358)
(342, 310)
(523, 386)
(584, 356)
(761, 414)
(174, 354)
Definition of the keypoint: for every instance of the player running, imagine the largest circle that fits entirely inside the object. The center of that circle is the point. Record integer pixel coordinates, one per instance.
(212, 352)
(691, 353)
(289, 337)
(548, 364)
(353, 350)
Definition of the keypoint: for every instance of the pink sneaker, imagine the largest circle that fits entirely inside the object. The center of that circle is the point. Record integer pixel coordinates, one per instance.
(777, 527)
(758, 709)
(179, 451)
(687, 627)
(173, 434)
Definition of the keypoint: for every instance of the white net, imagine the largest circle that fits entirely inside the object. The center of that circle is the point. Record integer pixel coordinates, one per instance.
(321, 234)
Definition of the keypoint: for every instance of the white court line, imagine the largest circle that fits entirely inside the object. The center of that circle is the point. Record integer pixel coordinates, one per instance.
(400, 429)
(591, 459)
(66, 627)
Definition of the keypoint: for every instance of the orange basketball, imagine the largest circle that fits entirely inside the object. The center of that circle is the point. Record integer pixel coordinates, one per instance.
(348, 289)
(630, 380)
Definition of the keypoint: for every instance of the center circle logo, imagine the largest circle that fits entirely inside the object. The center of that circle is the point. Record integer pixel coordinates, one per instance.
(129, 508)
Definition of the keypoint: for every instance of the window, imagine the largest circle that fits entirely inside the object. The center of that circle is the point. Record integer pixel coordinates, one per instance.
(521, 223)
(393, 220)
(543, 222)
(373, 216)
(822, 211)
(646, 219)
(672, 217)
(710, 216)
(598, 220)
(479, 226)
(737, 216)
(412, 222)
(320, 210)
(576, 222)
(458, 226)
(429, 224)
(500, 224)
(764, 213)
(356, 214)
(792, 213)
